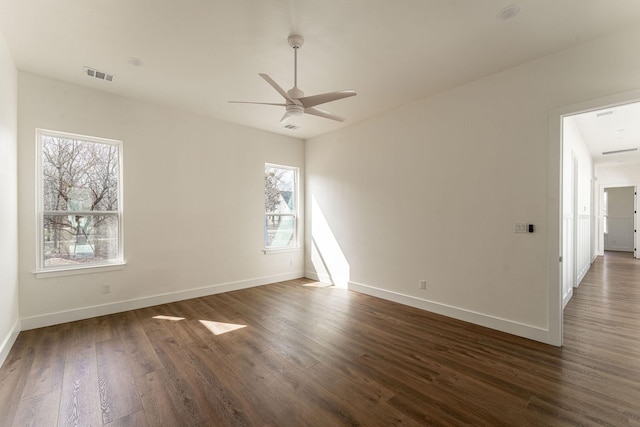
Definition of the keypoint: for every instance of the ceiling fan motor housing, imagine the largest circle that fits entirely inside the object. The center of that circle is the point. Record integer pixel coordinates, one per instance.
(295, 93)
(295, 109)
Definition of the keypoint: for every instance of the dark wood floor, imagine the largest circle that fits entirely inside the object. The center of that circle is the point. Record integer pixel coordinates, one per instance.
(293, 354)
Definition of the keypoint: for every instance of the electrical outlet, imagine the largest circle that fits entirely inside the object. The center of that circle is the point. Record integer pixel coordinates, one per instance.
(106, 288)
(422, 284)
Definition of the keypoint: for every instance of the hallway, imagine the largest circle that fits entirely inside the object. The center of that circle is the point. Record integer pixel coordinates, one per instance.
(602, 332)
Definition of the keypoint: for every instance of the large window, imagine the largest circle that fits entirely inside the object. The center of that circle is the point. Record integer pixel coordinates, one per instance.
(80, 201)
(280, 202)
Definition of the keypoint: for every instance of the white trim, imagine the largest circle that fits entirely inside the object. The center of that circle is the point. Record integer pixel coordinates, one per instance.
(567, 298)
(276, 251)
(554, 197)
(492, 322)
(40, 213)
(324, 278)
(555, 229)
(132, 304)
(73, 270)
(296, 209)
(601, 233)
(8, 341)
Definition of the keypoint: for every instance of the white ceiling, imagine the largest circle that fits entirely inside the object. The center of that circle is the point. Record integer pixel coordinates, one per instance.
(198, 54)
(611, 129)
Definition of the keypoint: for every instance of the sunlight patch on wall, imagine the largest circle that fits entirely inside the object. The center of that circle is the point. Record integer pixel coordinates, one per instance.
(326, 255)
(219, 328)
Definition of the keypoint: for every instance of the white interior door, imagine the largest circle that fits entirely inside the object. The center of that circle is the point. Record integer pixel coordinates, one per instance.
(635, 222)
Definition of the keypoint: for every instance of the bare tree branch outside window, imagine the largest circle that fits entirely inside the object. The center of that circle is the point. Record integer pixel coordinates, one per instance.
(80, 201)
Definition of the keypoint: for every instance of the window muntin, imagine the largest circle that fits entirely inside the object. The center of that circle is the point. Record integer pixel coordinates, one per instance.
(281, 199)
(80, 201)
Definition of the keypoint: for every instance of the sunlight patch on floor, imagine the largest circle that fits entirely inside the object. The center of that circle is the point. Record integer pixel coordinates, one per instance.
(173, 318)
(318, 285)
(219, 328)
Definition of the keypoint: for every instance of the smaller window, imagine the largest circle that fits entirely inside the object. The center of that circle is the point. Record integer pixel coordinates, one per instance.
(280, 200)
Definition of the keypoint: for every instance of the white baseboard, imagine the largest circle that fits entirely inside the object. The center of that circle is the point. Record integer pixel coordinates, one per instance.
(318, 277)
(8, 341)
(618, 248)
(567, 298)
(515, 328)
(133, 304)
(326, 278)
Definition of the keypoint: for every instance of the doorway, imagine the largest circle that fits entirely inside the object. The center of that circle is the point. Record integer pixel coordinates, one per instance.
(580, 193)
(618, 210)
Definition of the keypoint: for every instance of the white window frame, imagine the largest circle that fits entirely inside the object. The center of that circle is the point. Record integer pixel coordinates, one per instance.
(90, 267)
(295, 213)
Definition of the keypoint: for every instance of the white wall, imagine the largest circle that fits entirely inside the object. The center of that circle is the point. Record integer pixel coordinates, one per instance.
(620, 211)
(432, 191)
(618, 176)
(193, 203)
(577, 168)
(9, 320)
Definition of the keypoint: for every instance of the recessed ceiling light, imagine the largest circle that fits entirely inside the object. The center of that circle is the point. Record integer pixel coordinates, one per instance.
(136, 62)
(509, 12)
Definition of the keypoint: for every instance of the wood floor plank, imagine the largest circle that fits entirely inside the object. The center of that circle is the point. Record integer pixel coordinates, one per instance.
(189, 383)
(256, 372)
(39, 410)
(14, 374)
(159, 403)
(48, 364)
(237, 396)
(137, 419)
(80, 341)
(80, 397)
(302, 354)
(118, 394)
(142, 356)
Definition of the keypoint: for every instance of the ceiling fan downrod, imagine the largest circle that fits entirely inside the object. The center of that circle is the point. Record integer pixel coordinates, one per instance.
(295, 41)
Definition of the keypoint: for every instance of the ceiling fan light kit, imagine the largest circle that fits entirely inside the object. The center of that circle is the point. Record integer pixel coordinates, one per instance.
(296, 104)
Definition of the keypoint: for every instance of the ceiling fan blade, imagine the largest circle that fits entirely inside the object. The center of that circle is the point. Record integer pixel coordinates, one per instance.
(313, 100)
(277, 87)
(323, 113)
(258, 103)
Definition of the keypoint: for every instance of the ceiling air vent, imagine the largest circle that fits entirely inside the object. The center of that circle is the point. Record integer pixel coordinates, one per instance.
(100, 75)
(605, 153)
(291, 127)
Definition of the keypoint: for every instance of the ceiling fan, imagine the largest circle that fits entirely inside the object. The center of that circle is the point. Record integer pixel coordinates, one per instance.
(296, 103)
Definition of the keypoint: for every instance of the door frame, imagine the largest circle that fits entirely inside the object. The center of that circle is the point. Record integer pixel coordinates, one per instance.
(555, 201)
(600, 231)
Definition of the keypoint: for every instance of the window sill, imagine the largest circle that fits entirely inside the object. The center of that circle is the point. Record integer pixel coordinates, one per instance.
(280, 250)
(59, 272)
